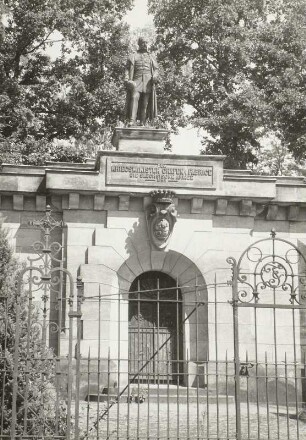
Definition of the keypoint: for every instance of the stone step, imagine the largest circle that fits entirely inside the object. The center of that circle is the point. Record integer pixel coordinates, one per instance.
(164, 394)
(171, 399)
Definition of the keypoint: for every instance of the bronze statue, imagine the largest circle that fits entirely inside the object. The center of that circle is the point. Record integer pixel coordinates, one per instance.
(140, 81)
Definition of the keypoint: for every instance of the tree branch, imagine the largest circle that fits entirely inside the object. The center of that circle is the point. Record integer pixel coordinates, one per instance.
(40, 44)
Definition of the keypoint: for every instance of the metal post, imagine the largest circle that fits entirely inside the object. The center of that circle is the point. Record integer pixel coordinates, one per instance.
(78, 356)
(16, 363)
(236, 349)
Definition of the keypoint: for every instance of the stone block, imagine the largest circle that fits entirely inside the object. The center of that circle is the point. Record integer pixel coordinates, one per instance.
(84, 219)
(181, 265)
(170, 261)
(97, 273)
(86, 202)
(99, 201)
(293, 212)
(139, 139)
(136, 228)
(56, 202)
(272, 212)
(221, 206)
(91, 289)
(41, 203)
(126, 273)
(234, 224)
(246, 208)
(74, 200)
(115, 238)
(134, 265)
(157, 260)
(75, 257)
(104, 255)
(79, 236)
(144, 258)
(18, 202)
(124, 202)
(147, 200)
(196, 205)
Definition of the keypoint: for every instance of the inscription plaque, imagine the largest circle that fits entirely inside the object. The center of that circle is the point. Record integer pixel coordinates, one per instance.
(156, 174)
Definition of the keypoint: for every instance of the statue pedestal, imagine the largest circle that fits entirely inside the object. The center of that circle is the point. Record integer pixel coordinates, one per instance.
(139, 139)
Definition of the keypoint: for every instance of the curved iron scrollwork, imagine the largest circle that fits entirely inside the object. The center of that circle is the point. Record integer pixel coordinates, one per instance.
(273, 267)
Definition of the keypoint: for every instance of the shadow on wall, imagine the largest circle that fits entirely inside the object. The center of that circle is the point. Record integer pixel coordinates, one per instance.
(137, 237)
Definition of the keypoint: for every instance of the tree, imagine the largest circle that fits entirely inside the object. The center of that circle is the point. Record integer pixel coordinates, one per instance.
(240, 64)
(36, 402)
(274, 159)
(77, 94)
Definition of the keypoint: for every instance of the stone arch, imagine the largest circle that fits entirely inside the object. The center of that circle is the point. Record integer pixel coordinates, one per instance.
(194, 295)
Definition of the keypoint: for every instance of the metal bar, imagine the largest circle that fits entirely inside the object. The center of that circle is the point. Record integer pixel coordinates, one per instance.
(197, 355)
(158, 358)
(267, 395)
(271, 306)
(216, 356)
(69, 372)
(16, 357)
(88, 392)
(148, 382)
(119, 365)
(168, 399)
(108, 385)
(188, 412)
(295, 376)
(226, 394)
(178, 363)
(138, 353)
(99, 363)
(286, 396)
(256, 378)
(248, 397)
(207, 404)
(276, 363)
(78, 358)
(4, 299)
(236, 351)
(26, 391)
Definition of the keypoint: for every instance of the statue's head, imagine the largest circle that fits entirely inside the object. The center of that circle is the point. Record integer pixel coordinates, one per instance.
(142, 44)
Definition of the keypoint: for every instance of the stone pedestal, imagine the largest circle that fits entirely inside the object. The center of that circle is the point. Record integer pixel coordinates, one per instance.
(139, 139)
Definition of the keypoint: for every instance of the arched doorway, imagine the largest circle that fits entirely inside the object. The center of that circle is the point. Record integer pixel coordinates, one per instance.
(155, 329)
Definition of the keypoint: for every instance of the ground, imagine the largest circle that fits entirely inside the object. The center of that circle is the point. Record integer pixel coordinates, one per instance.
(184, 422)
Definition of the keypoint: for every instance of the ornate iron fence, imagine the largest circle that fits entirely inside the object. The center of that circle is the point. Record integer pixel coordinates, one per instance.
(202, 360)
(36, 381)
(268, 286)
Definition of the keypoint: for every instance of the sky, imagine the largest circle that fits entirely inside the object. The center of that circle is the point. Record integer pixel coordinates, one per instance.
(139, 16)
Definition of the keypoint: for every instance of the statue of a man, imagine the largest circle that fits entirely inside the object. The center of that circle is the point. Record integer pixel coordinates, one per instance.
(140, 80)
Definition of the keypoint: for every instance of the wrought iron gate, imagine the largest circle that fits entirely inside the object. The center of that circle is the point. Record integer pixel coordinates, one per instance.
(268, 285)
(36, 381)
(212, 360)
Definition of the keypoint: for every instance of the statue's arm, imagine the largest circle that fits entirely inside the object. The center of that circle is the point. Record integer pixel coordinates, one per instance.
(129, 72)
(154, 69)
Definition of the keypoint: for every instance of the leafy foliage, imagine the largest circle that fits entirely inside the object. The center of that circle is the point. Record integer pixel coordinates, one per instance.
(36, 399)
(78, 93)
(274, 159)
(241, 65)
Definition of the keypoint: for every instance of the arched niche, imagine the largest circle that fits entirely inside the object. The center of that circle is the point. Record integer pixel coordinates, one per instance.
(194, 304)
